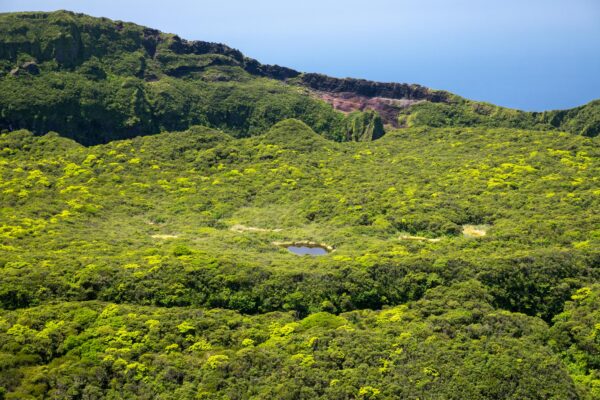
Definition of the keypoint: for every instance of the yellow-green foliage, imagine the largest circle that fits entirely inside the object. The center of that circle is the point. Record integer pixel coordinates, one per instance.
(144, 350)
(86, 223)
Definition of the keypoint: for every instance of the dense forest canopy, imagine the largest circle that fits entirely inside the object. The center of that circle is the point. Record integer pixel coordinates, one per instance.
(146, 182)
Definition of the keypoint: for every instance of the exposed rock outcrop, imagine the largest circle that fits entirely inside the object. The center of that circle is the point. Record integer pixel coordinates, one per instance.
(29, 67)
(270, 71)
(367, 88)
(388, 99)
(197, 47)
(348, 102)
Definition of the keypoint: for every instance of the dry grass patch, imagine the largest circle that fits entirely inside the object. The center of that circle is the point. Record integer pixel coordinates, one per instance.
(419, 238)
(243, 228)
(475, 231)
(164, 237)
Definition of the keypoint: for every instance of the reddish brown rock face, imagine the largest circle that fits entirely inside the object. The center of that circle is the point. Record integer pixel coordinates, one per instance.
(347, 102)
(388, 99)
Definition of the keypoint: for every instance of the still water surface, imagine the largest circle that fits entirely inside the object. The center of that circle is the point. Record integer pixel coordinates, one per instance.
(307, 250)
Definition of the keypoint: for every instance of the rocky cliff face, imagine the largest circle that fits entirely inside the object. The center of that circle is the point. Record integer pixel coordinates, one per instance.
(367, 88)
(251, 65)
(387, 99)
(348, 102)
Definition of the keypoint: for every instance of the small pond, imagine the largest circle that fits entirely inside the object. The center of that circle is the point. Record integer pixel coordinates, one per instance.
(307, 250)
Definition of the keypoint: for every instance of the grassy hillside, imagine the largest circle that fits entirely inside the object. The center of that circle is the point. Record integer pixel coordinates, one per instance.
(458, 112)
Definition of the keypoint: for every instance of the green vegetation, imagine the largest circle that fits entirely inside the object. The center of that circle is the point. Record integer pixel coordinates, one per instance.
(363, 126)
(96, 80)
(146, 222)
(451, 344)
(465, 245)
(584, 120)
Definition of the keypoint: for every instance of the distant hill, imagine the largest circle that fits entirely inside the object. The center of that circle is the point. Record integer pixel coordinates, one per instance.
(97, 80)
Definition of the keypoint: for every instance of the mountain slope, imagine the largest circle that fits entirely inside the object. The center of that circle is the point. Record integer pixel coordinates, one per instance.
(96, 80)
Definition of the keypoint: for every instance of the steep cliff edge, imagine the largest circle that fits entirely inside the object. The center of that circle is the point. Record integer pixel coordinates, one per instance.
(368, 88)
(97, 80)
(387, 99)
